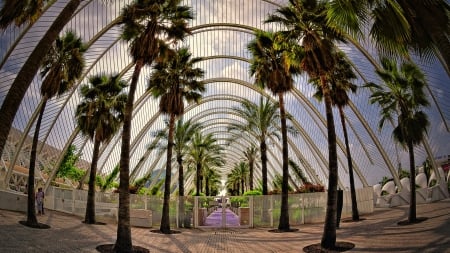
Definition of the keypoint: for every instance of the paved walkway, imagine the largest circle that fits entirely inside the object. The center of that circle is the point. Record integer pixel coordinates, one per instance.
(379, 232)
(215, 218)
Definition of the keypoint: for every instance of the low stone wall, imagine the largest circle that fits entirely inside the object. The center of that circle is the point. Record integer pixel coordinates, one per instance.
(14, 201)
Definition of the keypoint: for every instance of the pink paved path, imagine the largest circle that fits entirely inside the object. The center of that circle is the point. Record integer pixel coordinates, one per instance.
(215, 219)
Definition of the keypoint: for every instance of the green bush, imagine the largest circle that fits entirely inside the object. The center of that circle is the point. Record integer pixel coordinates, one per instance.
(252, 193)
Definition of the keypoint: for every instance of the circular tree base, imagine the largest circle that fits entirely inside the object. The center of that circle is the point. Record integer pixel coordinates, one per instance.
(109, 248)
(169, 233)
(283, 230)
(407, 222)
(339, 247)
(37, 225)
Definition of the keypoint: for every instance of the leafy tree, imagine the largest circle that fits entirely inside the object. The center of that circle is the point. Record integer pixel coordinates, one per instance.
(68, 162)
(205, 152)
(108, 182)
(149, 26)
(173, 81)
(261, 122)
(306, 22)
(274, 63)
(250, 154)
(61, 67)
(401, 98)
(340, 78)
(99, 116)
(184, 131)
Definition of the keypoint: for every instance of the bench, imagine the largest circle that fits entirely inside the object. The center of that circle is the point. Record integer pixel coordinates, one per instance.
(141, 218)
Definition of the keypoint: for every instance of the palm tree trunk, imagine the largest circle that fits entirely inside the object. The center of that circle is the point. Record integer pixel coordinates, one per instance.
(263, 148)
(284, 214)
(197, 182)
(28, 71)
(89, 218)
(250, 165)
(412, 179)
(31, 208)
(207, 193)
(180, 192)
(165, 219)
(355, 214)
(123, 240)
(329, 232)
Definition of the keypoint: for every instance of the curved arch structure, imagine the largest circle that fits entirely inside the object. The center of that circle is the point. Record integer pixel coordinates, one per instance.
(220, 33)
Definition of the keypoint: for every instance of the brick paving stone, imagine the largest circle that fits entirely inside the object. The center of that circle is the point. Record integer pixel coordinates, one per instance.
(378, 232)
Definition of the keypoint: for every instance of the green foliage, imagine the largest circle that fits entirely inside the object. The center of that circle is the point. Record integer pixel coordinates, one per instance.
(107, 182)
(253, 193)
(384, 180)
(403, 174)
(67, 169)
(239, 201)
(156, 189)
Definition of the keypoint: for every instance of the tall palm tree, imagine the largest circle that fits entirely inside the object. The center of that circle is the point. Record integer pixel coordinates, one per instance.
(261, 122)
(31, 66)
(212, 178)
(148, 26)
(173, 81)
(423, 26)
(401, 98)
(273, 65)
(242, 171)
(61, 67)
(205, 151)
(99, 117)
(340, 79)
(306, 22)
(250, 154)
(184, 131)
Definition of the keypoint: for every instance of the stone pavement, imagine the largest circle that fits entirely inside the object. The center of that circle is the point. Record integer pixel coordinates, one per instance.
(378, 232)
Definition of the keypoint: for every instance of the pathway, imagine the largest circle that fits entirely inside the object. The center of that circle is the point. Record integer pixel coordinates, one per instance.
(215, 219)
(379, 232)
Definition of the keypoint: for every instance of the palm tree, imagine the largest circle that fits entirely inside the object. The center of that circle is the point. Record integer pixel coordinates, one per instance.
(423, 26)
(250, 154)
(204, 152)
(212, 179)
(273, 65)
(306, 22)
(31, 66)
(401, 96)
(242, 171)
(148, 26)
(20, 12)
(99, 117)
(62, 66)
(340, 84)
(184, 131)
(261, 122)
(173, 81)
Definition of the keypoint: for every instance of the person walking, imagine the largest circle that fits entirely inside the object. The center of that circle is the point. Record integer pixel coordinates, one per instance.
(40, 201)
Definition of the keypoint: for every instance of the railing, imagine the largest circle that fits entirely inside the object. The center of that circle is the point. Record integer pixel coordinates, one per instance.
(263, 210)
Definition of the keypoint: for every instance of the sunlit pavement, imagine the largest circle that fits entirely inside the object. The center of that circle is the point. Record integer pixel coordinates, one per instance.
(378, 232)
